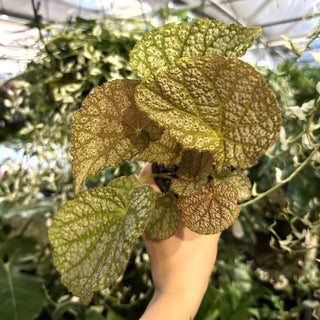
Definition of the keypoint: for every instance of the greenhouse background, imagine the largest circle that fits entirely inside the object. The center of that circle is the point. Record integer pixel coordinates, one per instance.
(52, 54)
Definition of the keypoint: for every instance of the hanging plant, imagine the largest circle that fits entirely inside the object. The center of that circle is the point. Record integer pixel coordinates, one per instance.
(200, 113)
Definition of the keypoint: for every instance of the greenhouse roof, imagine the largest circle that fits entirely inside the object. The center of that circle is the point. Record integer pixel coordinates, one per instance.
(292, 18)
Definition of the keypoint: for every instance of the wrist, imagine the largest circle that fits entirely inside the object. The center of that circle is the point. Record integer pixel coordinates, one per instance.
(171, 305)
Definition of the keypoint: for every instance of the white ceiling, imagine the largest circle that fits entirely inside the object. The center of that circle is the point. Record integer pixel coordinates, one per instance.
(277, 17)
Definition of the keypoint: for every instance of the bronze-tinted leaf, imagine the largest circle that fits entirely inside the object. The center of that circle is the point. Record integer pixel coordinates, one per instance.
(211, 210)
(108, 129)
(193, 172)
(164, 219)
(165, 151)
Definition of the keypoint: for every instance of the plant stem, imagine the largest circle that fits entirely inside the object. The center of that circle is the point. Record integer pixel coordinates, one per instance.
(37, 20)
(156, 175)
(18, 77)
(47, 296)
(312, 244)
(312, 38)
(283, 182)
(26, 225)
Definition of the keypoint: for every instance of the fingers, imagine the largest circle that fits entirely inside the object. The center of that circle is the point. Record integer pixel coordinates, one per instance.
(187, 254)
(181, 269)
(146, 171)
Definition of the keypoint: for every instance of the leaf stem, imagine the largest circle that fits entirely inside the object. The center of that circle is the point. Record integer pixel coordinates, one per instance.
(283, 182)
(11, 290)
(48, 297)
(156, 175)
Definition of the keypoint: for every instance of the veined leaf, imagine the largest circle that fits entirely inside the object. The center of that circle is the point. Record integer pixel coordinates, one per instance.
(164, 219)
(21, 294)
(238, 179)
(124, 184)
(109, 129)
(93, 235)
(214, 104)
(211, 210)
(193, 172)
(163, 46)
(164, 151)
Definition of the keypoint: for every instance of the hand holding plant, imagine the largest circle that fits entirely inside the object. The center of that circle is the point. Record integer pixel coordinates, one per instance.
(198, 111)
(174, 297)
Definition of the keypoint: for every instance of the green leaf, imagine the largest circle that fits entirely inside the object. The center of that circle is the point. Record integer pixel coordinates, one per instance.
(163, 46)
(108, 130)
(77, 309)
(92, 314)
(238, 179)
(296, 48)
(211, 210)
(165, 151)
(164, 219)
(21, 293)
(193, 172)
(113, 316)
(92, 235)
(124, 184)
(214, 104)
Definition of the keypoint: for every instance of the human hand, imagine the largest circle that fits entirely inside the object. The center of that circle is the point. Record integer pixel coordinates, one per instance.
(181, 268)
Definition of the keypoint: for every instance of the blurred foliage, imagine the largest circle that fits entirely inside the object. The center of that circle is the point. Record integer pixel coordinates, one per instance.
(268, 263)
(74, 59)
(36, 112)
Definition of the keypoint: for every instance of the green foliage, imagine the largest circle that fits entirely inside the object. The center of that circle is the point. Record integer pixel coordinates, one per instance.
(164, 46)
(21, 293)
(164, 219)
(302, 80)
(37, 109)
(213, 104)
(238, 179)
(94, 234)
(286, 207)
(218, 107)
(237, 292)
(268, 263)
(165, 151)
(76, 58)
(113, 316)
(267, 266)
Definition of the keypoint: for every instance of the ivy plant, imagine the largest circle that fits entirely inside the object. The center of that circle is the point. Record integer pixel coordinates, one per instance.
(198, 111)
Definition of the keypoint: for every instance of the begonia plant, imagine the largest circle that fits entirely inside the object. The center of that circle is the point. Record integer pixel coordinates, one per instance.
(199, 112)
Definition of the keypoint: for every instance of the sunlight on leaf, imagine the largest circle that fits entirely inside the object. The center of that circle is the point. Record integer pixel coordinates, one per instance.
(295, 47)
(163, 46)
(238, 179)
(211, 210)
(164, 218)
(214, 104)
(93, 235)
(316, 56)
(108, 130)
(124, 184)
